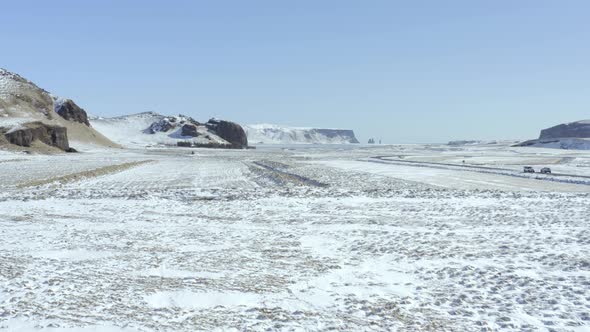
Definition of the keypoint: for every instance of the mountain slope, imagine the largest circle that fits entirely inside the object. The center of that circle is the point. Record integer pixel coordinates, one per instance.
(23, 102)
(273, 134)
(566, 143)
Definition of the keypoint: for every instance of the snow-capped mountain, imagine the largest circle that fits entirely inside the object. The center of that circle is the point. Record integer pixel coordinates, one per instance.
(273, 134)
(151, 129)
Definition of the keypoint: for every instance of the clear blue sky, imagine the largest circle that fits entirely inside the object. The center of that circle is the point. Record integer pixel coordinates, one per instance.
(406, 71)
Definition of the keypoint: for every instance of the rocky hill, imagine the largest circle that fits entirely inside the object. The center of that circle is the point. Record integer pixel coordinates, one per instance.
(273, 134)
(566, 143)
(153, 129)
(570, 136)
(32, 118)
(578, 129)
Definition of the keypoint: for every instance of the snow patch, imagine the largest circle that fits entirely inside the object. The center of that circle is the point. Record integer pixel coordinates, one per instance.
(182, 274)
(72, 255)
(22, 324)
(204, 300)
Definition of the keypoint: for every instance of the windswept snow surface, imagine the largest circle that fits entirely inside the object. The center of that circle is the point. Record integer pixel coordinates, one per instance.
(130, 130)
(294, 238)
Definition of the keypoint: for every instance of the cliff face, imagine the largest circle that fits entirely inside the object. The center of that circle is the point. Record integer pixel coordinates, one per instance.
(573, 135)
(345, 134)
(68, 110)
(26, 134)
(578, 129)
(229, 131)
(273, 134)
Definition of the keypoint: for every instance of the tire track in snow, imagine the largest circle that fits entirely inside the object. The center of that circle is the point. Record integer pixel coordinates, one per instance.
(74, 177)
(281, 176)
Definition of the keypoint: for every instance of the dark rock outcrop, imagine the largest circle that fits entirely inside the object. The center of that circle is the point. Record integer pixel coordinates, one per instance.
(229, 131)
(68, 110)
(170, 122)
(51, 135)
(189, 130)
(187, 119)
(161, 126)
(579, 129)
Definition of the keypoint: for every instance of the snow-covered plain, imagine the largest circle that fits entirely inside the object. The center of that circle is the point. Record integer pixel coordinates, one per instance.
(294, 238)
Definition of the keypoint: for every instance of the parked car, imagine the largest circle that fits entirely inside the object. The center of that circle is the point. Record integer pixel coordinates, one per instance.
(529, 169)
(546, 170)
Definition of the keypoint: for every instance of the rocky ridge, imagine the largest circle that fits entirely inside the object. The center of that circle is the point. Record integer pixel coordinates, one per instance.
(274, 134)
(578, 129)
(153, 129)
(567, 136)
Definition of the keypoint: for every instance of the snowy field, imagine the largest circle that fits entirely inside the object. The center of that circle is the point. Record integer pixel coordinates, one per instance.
(408, 237)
